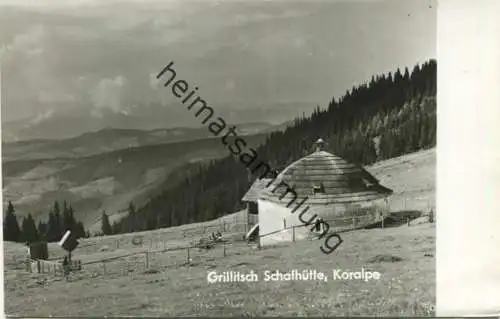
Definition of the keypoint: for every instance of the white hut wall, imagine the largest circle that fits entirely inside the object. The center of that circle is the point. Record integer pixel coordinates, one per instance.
(274, 218)
(276, 224)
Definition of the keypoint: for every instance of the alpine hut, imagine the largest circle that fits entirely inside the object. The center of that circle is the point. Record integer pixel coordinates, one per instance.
(319, 186)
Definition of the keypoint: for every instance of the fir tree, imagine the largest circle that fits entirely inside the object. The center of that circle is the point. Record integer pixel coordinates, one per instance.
(80, 230)
(29, 230)
(132, 223)
(52, 230)
(42, 230)
(58, 222)
(11, 230)
(105, 226)
(66, 222)
(115, 228)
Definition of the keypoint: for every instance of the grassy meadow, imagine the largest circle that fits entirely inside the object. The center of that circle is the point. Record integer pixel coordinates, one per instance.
(169, 288)
(165, 284)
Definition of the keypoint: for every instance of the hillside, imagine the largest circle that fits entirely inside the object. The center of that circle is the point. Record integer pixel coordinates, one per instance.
(123, 286)
(107, 181)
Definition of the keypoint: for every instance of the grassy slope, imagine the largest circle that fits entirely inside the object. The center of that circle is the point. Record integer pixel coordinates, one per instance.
(407, 287)
(104, 181)
(411, 177)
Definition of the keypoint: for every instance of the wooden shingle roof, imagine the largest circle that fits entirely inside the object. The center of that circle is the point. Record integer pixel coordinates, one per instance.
(255, 190)
(335, 180)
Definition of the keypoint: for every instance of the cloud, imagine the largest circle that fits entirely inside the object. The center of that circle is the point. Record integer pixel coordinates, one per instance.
(153, 81)
(52, 97)
(101, 57)
(107, 94)
(29, 42)
(41, 117)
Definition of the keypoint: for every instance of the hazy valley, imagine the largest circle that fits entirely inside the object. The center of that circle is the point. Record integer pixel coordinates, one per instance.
(108, 169)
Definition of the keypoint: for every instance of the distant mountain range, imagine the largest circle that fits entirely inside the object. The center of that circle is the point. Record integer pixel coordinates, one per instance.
(72, 123)
(111, 139)
(109, 168)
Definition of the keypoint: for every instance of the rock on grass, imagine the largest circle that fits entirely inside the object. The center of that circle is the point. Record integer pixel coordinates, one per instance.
(385, 259)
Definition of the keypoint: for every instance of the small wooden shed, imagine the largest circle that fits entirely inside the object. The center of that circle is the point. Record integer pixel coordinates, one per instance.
(39, 250)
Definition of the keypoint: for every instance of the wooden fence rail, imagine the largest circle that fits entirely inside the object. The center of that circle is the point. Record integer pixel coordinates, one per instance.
(223, 249)
(49, 267)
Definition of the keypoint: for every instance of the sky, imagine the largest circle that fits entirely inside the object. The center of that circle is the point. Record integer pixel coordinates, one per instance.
(86, 64)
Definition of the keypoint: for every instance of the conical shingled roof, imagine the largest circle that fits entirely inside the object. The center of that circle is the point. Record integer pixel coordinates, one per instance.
(252, 195)
(335, 180)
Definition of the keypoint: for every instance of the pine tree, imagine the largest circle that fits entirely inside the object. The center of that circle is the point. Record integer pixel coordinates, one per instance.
(66, 222)
(105, 226)
(132, 224)
(11, 230)
(79, 230)
(115, 228)
(69, 219)
(42, 230)
(58, 225)
(52, 231)
(30, 233)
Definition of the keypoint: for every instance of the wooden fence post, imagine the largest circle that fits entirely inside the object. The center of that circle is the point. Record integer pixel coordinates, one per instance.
(188, 259)
(104, 267)
(293, 233)
(224, 246)
(117, 244)
(383, 222)
(38, 269)
(147, 259)
(408, 221)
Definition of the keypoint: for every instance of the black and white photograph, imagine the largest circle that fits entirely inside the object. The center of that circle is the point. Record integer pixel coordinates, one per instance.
(219, 158)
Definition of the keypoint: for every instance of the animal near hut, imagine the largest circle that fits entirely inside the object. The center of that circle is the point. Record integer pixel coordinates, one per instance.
(321, 186)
